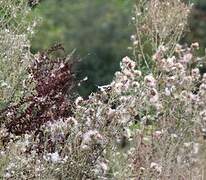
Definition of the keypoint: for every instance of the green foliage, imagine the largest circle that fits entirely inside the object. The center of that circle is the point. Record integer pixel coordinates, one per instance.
(197, 25)
(99, 30)
(16, 27)
(197, 28)
(3, 163)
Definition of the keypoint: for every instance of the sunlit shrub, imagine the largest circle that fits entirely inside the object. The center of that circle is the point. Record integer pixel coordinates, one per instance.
(16, 28)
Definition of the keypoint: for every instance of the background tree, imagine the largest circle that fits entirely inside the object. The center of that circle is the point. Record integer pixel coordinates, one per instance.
(98, 29)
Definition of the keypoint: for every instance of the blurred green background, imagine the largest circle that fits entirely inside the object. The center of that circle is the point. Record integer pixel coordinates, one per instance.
(100, 32)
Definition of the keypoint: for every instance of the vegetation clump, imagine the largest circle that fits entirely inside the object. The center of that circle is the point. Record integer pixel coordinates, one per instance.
(148, 123)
